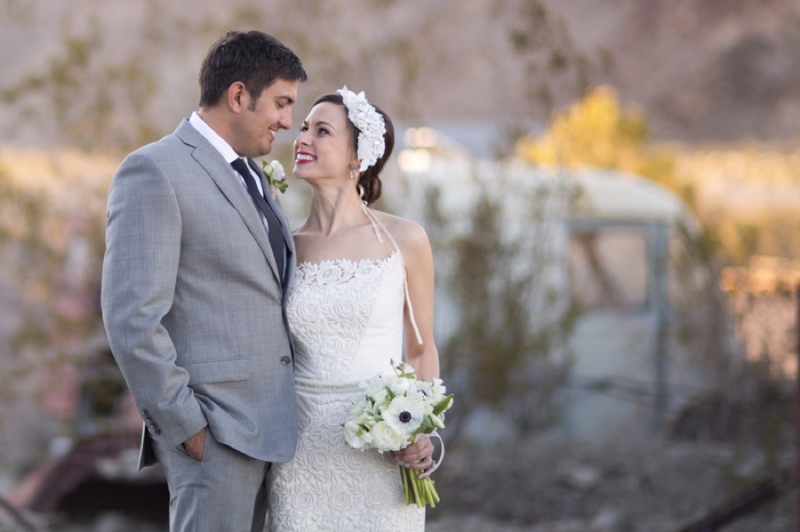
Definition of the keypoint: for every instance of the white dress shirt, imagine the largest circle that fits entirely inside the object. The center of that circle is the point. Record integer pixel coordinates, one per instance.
(224, 149)
(230, 155)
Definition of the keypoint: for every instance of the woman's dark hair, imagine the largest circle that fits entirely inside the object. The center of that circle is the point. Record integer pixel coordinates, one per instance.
(254, 58)
(368, 179)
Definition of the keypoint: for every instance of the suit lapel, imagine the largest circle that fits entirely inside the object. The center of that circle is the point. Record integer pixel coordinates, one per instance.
(275, 205)
(223, 175)
(285, 228)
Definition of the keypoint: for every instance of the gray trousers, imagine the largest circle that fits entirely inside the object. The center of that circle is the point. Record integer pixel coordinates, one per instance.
(225, 492)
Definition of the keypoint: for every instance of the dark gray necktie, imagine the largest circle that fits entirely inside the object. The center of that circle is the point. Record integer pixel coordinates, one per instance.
(275, 233)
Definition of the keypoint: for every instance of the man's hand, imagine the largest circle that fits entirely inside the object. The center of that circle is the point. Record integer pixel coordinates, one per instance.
(195, 445)
(417, 455)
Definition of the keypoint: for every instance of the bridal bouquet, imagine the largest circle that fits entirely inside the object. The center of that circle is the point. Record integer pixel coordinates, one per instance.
(390, 414)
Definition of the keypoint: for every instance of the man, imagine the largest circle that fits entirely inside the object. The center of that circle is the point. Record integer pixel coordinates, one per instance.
(195, 276)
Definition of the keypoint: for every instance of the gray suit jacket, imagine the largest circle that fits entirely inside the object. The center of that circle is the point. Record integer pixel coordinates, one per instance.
(192, 304)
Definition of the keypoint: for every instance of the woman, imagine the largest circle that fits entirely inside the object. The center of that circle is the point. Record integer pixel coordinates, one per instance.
(364, 286)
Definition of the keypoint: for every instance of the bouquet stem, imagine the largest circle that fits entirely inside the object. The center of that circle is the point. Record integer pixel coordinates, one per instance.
(418, 491)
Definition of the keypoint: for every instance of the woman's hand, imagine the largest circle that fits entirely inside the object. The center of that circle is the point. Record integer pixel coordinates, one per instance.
(418, 455)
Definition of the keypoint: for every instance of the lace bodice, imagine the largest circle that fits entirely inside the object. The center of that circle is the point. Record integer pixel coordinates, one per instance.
(347, 318)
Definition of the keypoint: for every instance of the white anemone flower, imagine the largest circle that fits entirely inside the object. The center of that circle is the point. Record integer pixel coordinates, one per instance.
(405, 414)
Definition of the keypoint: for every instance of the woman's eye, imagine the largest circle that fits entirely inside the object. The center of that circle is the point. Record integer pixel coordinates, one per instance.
(323, 131)
(303, 129)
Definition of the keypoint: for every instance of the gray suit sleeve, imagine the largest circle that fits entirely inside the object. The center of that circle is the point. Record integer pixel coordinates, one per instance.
(143, 239)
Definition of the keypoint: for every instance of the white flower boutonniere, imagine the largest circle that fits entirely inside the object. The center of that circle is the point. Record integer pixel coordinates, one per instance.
(276, 177)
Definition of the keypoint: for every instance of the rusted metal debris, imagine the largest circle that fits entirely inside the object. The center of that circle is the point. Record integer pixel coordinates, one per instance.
(98, 475)
(18, 517)
(745, 502)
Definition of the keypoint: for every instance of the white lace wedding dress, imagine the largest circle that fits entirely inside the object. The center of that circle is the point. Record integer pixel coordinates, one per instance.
(347, 321)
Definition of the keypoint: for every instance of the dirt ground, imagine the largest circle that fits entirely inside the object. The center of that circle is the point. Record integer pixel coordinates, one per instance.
(537, 485)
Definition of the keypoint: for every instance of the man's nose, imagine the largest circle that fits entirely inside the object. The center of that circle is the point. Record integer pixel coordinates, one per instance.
(286, 120)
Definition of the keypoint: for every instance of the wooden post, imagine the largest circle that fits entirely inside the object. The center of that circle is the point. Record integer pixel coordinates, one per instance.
(660, 293)
(797, 404)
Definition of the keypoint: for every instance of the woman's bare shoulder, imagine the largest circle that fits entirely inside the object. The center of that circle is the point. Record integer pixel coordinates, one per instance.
(409, 234)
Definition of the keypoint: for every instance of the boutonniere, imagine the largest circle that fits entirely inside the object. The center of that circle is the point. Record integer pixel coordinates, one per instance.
(276, 177)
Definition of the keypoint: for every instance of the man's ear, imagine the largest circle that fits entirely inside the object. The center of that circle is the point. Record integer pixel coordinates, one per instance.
(237, 97)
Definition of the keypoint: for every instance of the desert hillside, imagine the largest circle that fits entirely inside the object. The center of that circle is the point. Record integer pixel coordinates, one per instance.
(120, 73)
(702, 69)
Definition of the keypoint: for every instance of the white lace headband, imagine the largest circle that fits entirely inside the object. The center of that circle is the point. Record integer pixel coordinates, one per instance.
(370, 125)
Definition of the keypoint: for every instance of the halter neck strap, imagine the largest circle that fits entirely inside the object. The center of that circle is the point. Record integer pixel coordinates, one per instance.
(375, 225)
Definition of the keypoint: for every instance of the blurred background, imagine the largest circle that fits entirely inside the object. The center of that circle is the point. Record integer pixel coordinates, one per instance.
(611, 188)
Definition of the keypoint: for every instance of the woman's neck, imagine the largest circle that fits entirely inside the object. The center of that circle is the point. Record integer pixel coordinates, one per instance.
(334, 209)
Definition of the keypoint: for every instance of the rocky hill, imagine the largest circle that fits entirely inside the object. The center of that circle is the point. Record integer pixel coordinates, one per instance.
(702, 69)
(120, 72)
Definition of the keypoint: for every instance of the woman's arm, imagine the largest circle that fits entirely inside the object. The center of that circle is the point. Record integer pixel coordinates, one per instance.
(418, 259)
(423, 357)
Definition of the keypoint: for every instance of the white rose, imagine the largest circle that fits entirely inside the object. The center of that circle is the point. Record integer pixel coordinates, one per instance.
(385, 438)
(277, 173)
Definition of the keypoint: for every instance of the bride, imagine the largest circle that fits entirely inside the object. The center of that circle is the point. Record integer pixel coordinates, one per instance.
(363, 289)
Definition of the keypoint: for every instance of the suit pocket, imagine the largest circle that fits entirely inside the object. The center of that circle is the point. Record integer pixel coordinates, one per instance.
(222, 370)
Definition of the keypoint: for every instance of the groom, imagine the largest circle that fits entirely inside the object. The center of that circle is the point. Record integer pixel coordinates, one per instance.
(197, 263)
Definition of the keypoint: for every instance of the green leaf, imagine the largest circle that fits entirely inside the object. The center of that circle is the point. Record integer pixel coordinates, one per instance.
(425, 427)
(443, 405)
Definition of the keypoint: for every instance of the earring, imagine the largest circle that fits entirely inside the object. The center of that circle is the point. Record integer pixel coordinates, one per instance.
(352, 173)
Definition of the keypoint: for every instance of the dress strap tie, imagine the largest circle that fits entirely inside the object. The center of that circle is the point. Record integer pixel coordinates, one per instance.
(375, 225)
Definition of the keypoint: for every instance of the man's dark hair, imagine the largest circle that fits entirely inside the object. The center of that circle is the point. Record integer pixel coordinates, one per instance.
(254, 58)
